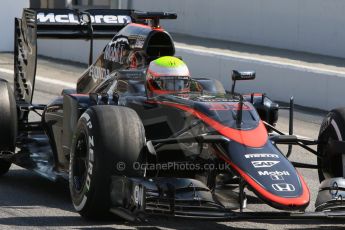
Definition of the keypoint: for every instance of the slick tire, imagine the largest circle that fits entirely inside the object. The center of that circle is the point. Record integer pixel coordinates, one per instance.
(332, 128)
(105, 135)
(8, 123)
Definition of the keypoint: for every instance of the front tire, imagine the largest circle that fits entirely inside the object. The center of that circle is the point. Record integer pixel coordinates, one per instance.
(105, 136)
(332, 128)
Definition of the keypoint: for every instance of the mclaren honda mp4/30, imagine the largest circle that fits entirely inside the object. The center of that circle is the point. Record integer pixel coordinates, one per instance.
(129, 110)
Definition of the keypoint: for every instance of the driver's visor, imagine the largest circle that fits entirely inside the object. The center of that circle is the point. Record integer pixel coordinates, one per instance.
(171, 83)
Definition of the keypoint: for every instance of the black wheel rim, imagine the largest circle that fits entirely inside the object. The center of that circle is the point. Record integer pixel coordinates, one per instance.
(80, 163)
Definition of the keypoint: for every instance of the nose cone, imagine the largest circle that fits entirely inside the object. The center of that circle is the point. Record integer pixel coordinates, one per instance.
(271, 176)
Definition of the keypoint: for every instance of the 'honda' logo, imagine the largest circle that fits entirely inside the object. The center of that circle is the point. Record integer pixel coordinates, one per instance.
(264, 164)
(283, 187)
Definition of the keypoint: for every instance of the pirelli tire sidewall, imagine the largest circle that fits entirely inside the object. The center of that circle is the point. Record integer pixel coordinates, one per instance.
(114, 134)
(332, 128)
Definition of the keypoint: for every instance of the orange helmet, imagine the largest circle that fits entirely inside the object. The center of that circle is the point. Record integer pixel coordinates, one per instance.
(168, 75)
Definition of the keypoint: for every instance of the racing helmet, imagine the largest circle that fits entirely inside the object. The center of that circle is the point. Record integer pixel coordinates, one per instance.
(168, 75)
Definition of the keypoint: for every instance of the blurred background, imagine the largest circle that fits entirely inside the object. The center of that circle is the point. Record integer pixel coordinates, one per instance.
(81, 4)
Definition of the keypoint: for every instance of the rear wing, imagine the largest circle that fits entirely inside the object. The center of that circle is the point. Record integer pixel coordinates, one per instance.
(58, 24)
(74, 24)
(62, 24)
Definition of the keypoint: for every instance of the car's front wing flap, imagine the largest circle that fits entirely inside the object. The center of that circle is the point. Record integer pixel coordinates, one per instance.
(134, 198)
(170, 196)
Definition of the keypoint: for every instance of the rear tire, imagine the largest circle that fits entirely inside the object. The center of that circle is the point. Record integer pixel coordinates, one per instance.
(332, 128)
(8, 123)
(105, 136)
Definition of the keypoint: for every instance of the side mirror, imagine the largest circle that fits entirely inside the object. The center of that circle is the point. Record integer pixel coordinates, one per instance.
(241, 76)
(245, 75)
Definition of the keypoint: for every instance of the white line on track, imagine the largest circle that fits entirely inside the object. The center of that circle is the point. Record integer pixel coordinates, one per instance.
(45, 79)
(259, 59)
(211, 52)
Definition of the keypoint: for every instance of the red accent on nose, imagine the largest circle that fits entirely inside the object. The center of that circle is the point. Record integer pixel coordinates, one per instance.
(255, 138)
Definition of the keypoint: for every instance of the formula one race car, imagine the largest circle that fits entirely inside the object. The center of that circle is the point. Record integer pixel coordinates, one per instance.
(139, 136)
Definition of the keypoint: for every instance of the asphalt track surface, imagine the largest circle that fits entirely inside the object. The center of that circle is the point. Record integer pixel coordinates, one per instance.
(28, 201)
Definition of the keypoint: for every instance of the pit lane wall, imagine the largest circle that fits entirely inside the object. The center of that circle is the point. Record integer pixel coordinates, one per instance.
(8, 11)
(310, 87)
